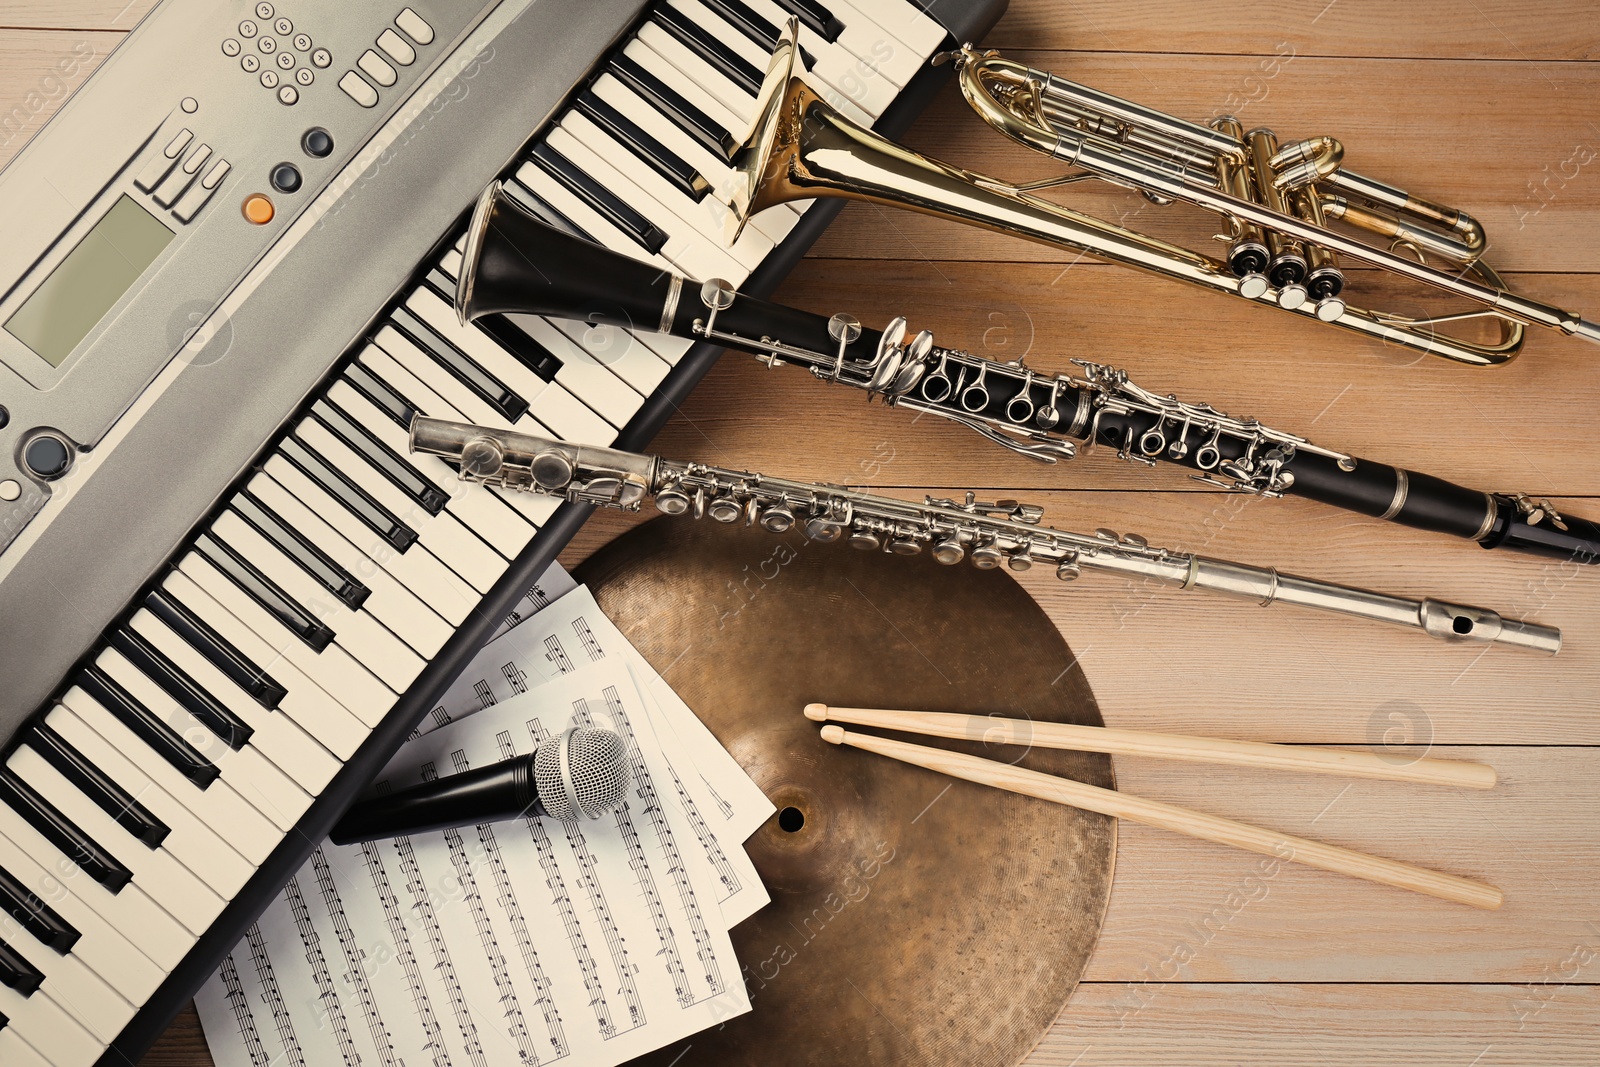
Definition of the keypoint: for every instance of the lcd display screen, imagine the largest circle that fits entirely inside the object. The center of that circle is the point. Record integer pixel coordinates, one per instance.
(92, 278)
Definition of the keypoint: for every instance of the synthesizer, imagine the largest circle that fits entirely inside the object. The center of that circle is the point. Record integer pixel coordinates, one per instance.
(227, 593)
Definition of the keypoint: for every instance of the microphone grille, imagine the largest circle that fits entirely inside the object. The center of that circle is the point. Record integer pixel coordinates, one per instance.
(582, 772)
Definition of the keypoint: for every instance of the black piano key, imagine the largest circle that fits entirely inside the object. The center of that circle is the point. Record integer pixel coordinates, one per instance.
(35, 916)
(264, 591)
(815, 18)
(17, 972)
(61, 832)
(667, 100)
(381, 393)
(650, 151)
(618, 212)
(216, 648)
(498, 328)
(355, 499)
(148, 727)
(93, 783)
(695, 38)
(484, 385)
(154, 664)
(753, 26)
(294, 544)
(4, 1020)
(538, 205)
(364, 442)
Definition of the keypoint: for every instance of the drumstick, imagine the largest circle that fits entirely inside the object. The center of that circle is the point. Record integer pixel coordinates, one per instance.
(1179, 820)
(1000, 731)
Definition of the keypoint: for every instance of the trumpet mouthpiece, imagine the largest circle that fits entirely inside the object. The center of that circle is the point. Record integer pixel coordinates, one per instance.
(1587, 330)
(817, 712)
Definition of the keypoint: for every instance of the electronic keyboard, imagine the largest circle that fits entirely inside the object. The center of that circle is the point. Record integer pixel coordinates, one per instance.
(227, 591)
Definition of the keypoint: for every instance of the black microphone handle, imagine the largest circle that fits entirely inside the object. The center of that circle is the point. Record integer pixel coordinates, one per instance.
(544, 271)
(494, 793)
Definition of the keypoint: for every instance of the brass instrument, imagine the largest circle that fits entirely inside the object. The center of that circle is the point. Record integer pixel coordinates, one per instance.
(1276, 200)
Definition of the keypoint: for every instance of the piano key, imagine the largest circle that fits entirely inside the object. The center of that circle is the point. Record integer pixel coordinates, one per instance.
(240, 824)
(708, 218)
(53, 876)
(720, 112)
(169, 883)
(442, 534)
(491, 390)
(717, 43)
(248, 771)
(359, 634)
(815, 17)
(34, 915)
(570, 420)
(418, 570)
(277, 737)
(16, 973)
(699, 127)
(86, 854)
(293, 616)
(332, 481)
(483, 513)
(16, 1052)
(39, 1024)
(194, 844)
(233, 730)
(390, 603)
(115, 801)
(584, 376)
(262, 687)
(341, 583)
(355, 434)
(905, 21)
(864, 50)
(668, 164)
(615, 210)
(428, 306)
(85, 996)
(696, 253)
(398, 380)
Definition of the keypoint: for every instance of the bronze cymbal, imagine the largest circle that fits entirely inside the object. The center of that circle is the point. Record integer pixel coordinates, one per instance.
(915, 919)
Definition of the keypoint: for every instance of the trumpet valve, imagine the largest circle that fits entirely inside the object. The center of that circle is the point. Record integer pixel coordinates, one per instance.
(1306, 162)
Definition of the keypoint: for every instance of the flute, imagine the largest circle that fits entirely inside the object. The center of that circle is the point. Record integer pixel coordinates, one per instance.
(515, 263)
(989, 534)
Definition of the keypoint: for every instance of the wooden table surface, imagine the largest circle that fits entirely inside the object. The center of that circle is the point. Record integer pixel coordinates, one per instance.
(1487, 104)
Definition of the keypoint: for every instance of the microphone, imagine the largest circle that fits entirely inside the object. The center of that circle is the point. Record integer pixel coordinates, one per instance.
(582, 772)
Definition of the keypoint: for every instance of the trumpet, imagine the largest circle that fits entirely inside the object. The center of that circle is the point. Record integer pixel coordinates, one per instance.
(1276, 200)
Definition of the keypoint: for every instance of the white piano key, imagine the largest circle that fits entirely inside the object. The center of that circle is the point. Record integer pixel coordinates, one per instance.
(631, 356)
(569, 420)
(733, 96)
(907, 22)
(862, 41)
(357, 632)
(483, 513)
(166, 881)
(101, 947)
(38, 1026)
(275, 735)
(218, 805)
(416, 568)
(129, 911)
(532, 507)
(708, 217)
(477, 345)
(582, 375)
(266, 788)
(443, 534)
(714, 108)
(84, 995)
(194, 844)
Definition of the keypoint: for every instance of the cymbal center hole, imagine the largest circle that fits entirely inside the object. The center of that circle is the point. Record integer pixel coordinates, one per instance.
(791, 819)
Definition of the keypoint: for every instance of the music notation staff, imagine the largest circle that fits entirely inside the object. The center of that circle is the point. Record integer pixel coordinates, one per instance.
(405, 952)
(272, 996)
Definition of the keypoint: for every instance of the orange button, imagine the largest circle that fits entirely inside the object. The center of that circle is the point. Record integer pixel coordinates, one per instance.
(258, 209)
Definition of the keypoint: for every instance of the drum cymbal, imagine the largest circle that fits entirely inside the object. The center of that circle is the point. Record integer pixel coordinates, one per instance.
(915, 919)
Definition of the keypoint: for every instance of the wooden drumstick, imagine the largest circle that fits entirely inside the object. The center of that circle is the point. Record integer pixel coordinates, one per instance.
(1179, 820)
(1000, 731)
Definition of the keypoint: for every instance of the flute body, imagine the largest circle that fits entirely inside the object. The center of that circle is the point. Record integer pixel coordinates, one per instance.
(989, 534)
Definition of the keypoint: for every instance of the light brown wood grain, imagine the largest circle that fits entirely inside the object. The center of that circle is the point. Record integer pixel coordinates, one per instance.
(38, 71)
(119, 15)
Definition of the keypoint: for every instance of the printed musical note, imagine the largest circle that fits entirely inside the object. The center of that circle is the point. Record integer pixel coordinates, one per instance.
(328, 995)
(421, 1003)
(241, 1013)
(272, 996)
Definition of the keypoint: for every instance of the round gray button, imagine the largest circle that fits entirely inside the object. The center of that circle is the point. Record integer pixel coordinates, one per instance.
(10, 489)
(247, 28)
(268, 45)
(283, 27)
(230, 47)
(269, 78)
(250, 64)
(47, 456)
(286, 60)
(302, 42)
(264, 11)
(189, 105)
(304, 76)
(321, 57)
(288, 94)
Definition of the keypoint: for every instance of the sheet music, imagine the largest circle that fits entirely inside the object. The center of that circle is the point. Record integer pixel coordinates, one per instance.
(551, 586)
(527, 942)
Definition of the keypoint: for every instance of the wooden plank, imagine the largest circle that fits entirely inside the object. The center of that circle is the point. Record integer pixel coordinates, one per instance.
(1514, 144)
(1282, 1025)
(74, 14)
(38, 71)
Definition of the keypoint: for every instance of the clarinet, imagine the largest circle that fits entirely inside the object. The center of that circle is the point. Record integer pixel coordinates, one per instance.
(987, 533)
(516, 263)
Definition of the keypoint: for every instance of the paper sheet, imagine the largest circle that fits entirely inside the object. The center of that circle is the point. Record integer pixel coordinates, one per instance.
(527, 942)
